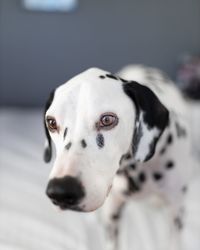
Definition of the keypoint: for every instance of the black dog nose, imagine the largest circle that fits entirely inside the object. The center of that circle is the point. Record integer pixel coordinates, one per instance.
(66, 191)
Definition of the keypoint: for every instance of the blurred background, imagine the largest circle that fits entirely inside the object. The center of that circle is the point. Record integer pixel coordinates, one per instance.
(40, 50)
(43, 44)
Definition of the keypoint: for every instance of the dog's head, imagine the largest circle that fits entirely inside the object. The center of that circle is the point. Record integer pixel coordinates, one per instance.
(94, 120)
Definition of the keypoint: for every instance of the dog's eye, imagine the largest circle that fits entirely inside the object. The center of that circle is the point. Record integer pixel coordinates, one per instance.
(107, 121)
(51, 124)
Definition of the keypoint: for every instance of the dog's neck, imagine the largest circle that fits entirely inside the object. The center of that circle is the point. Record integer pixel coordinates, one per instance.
(174, 128)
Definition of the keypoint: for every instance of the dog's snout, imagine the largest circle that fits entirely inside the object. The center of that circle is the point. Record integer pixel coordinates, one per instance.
(65, 192)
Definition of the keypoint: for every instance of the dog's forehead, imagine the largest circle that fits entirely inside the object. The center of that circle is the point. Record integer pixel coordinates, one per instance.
(90, 89)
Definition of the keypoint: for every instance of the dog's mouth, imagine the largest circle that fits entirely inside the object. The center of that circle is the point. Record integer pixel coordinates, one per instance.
(66, 206)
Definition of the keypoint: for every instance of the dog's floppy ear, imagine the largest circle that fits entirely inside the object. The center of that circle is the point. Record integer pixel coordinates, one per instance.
(48, 144)
(151, 120)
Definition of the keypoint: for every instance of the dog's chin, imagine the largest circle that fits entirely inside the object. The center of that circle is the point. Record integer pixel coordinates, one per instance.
(91, 208)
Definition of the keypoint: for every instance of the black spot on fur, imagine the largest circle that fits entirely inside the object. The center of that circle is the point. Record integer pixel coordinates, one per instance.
(178, 223)
(127, 156)
(181, 132)
(83, 143)
(184, 189)
(100, 140)
(116, 216)
(133, 186)
(169, 139)
(65, 133)
(68, 146)
(169, 165)
(157, 176)
(48, 149)
(132, 166)
(142, 177)
(102, 77)
(112, 76)
(163, 150)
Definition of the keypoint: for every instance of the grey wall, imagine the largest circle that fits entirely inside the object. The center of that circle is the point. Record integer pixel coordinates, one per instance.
(39, 51)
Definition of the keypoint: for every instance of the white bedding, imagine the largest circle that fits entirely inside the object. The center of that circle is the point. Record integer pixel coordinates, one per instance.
(28, 221)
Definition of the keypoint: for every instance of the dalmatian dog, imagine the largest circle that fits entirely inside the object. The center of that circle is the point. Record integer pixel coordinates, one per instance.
(117, 137)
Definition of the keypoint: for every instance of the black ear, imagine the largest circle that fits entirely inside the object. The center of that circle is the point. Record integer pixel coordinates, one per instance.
(152, 118)
(48, 145)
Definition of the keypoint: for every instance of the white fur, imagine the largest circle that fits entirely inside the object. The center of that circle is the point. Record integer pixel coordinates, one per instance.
(78, 105)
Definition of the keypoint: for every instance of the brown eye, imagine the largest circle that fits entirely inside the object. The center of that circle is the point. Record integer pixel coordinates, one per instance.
(51, 124)
(108, 121)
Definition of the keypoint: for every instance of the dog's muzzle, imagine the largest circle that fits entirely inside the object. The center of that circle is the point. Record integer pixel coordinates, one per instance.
(65, 192)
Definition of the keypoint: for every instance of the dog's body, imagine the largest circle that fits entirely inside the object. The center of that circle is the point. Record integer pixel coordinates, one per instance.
(168, 173)
(147, 137)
